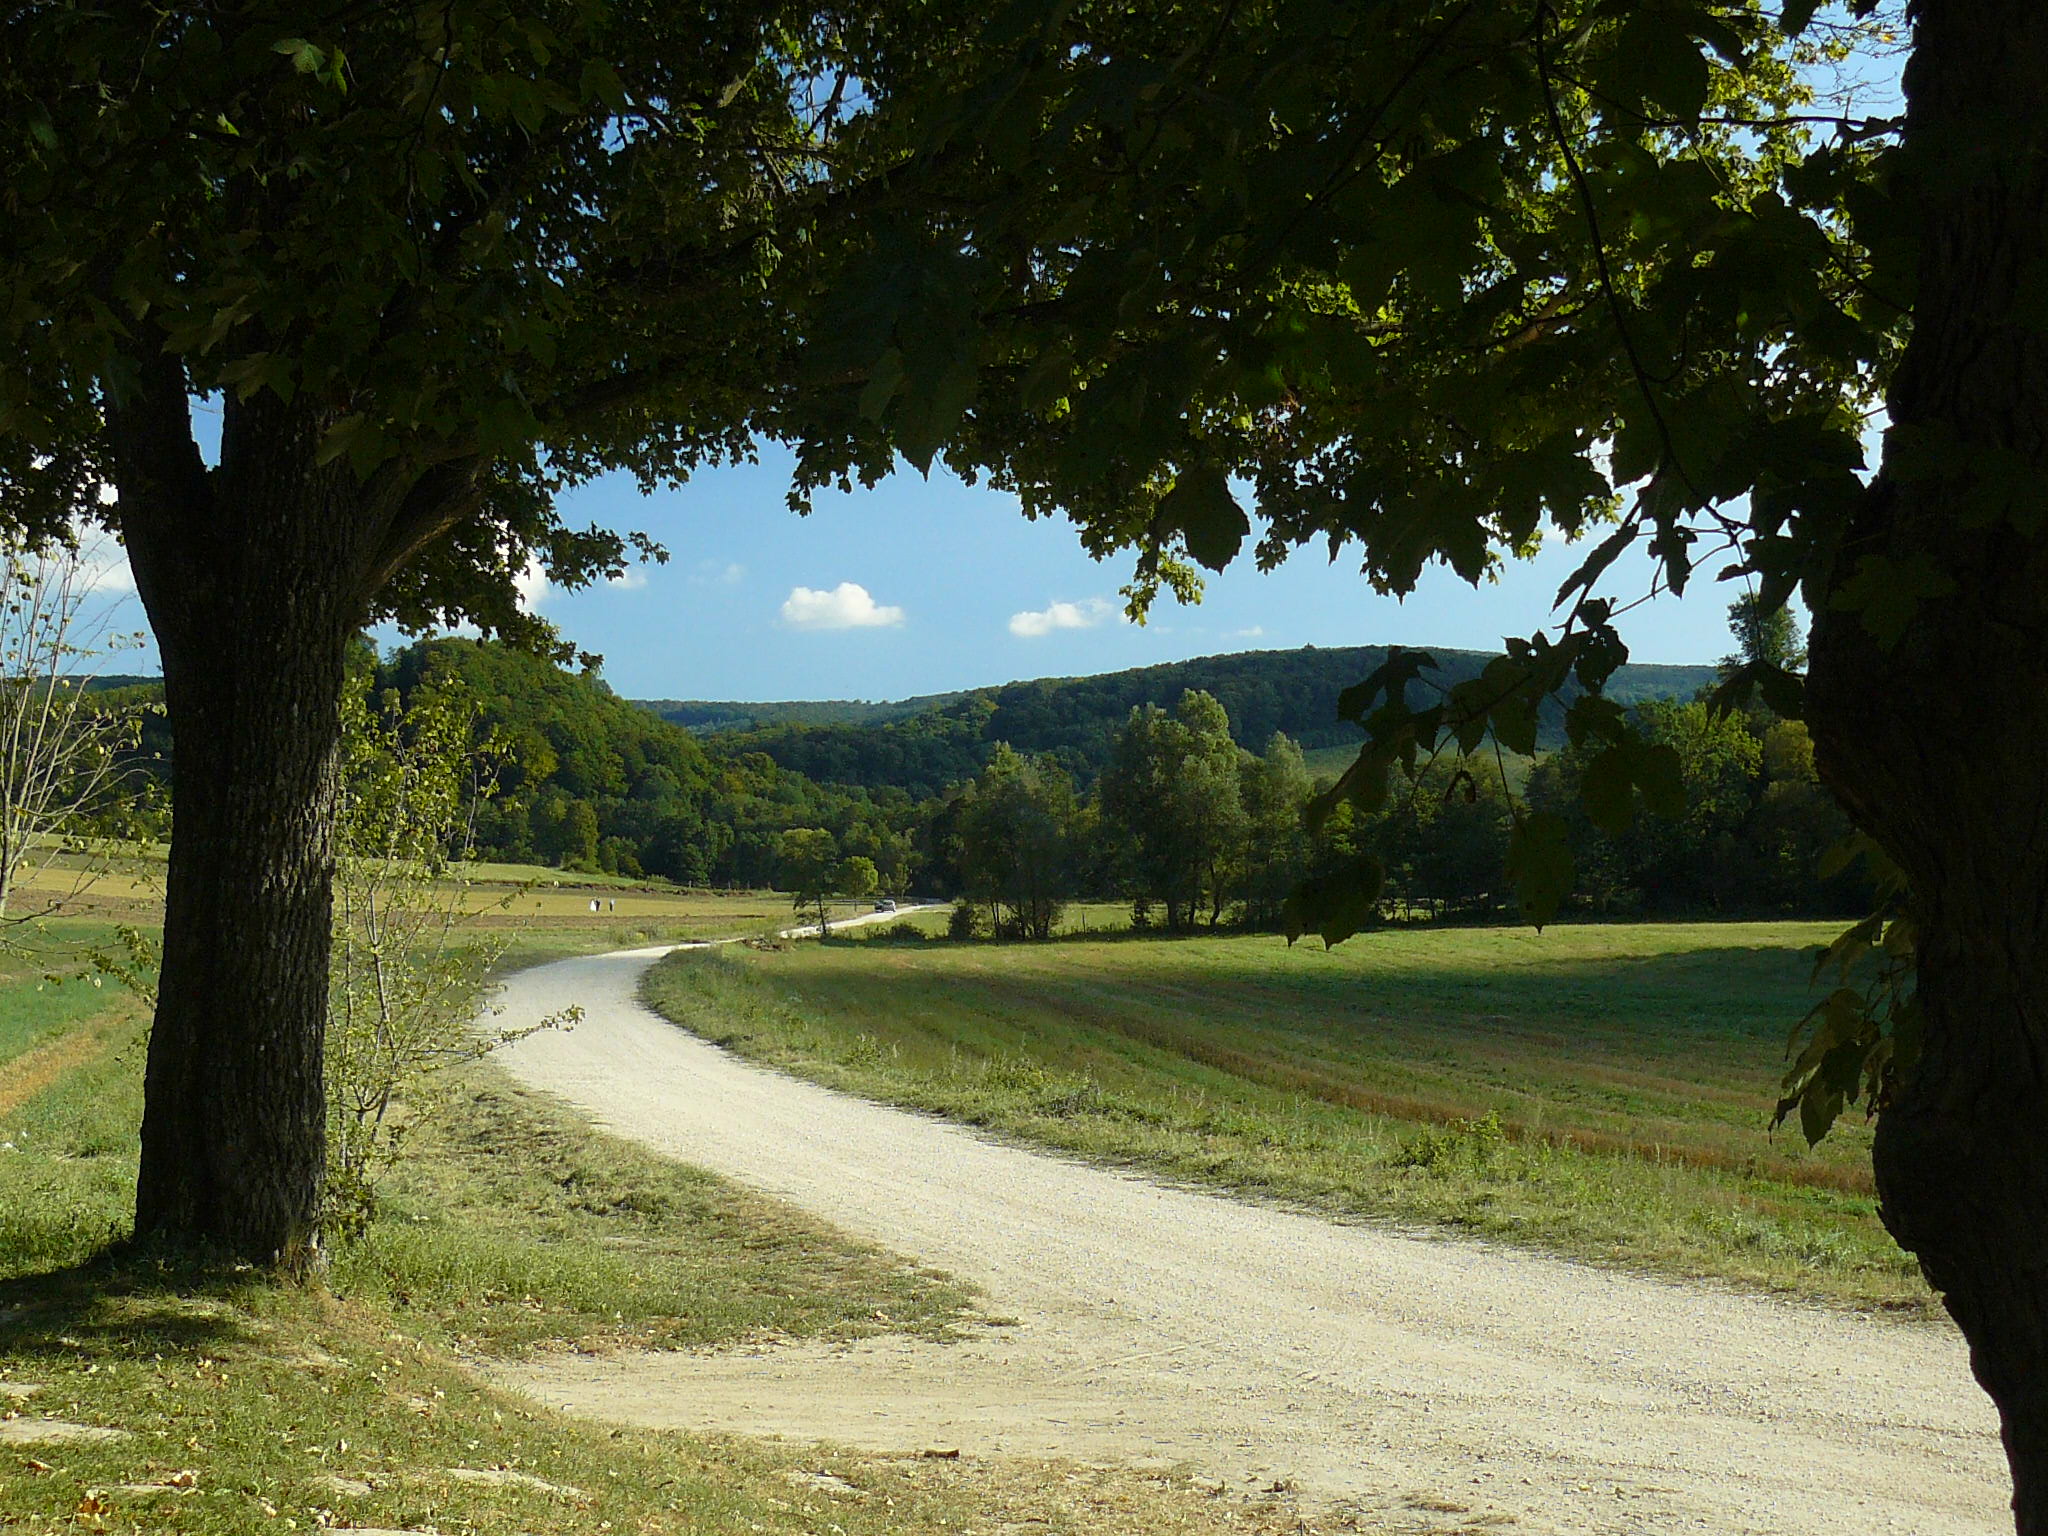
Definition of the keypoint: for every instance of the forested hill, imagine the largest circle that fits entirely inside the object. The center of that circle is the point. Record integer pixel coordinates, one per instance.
(1074, 718)
(586, 780)
(591, 781)
(710, 717)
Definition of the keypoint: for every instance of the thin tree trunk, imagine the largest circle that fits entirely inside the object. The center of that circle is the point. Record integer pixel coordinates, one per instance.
(1937, 743)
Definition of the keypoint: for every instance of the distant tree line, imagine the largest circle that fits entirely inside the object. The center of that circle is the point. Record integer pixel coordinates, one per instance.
(1195, 830)
(1170, 812)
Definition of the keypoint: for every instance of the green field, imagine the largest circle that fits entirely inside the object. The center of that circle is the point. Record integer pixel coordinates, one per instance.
(247, 1406)
(1599, 1091)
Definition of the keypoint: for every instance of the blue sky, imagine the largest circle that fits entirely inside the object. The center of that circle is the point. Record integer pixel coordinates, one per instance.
(922, 586)
(925, 586)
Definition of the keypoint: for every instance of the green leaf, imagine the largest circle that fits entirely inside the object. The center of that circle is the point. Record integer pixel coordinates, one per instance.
(1849, 948)
(1608, 791)
(1048, 381)
(598, 81)
(1335, 904)
(1841, 855)
(307, 58)
(1209, 519)
(1818, 1111)
(929, 413)
(1655, 62)
(1540, 864)
(1798, 16)
(339, 438)
(1593, 717)
(951, 396)
(1660, 775)
(881, 385)
(1363, 784)
(1783, 692)
(1391, 678)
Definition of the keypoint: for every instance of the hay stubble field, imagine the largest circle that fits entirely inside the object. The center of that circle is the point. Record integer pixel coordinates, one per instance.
(1601, 1091)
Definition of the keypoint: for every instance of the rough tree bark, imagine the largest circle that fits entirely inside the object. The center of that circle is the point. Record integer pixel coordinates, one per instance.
(254, 574)
(1938, 744)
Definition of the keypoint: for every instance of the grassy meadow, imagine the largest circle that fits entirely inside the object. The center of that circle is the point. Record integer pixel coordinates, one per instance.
(1599, 1091)
(243, 1406)
(128, 887)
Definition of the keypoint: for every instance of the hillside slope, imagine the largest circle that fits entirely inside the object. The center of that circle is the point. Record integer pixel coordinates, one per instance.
(1075, 718)
(712, 717)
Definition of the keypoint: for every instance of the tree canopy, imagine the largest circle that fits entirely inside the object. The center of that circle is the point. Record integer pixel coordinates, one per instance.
(433, 264)
(486, 251)
(1432, 278)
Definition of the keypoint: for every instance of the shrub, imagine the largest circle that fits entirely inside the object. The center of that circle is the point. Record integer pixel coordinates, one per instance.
(406, 977)
(964, 921)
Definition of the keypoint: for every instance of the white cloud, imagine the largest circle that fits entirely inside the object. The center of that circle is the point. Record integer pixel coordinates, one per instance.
(103, 567)
(102, 558)
(631, 579)
(846, 606)
(532, 585)
(1252, 633)
(1086, 614)
(724, 574)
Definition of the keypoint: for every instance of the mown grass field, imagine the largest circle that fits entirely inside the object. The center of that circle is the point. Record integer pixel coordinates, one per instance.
(550, 907)
(245, 1406)
(1597, 1091)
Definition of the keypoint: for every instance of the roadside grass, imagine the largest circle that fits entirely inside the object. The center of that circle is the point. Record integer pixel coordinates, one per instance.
(511, 1226)
(246, 1406)
(536, 944)
(1598, 1091)
(534, 937)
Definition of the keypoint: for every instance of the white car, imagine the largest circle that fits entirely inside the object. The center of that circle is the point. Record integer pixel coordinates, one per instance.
(885, 905)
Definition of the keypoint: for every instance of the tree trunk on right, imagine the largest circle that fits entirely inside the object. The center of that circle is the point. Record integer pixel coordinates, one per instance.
(1937, 742)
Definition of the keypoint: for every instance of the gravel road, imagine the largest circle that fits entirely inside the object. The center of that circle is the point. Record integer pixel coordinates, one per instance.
(1427, 1383)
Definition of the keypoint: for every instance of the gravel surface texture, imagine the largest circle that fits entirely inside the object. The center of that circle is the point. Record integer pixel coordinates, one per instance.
(1418, 1382)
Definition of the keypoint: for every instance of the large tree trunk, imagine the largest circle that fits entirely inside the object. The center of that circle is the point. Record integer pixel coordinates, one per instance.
(253, 576)
(1938, 743)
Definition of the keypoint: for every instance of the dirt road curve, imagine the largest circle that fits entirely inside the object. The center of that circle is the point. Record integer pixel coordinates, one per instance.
(1438, 1385)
